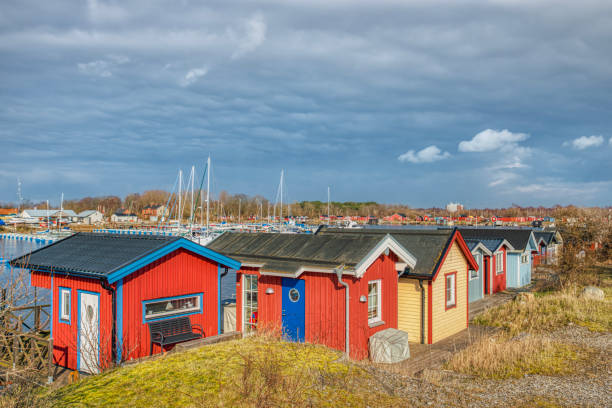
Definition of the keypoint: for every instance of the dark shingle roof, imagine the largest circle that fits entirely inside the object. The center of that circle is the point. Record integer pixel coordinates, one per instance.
(427, 245)
(289, 252)
(547, 236)
(518, 238)
(490, 244)
(92, 253)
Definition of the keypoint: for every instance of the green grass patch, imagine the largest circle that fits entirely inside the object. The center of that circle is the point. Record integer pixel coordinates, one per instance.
(252, 372)
(499, 358)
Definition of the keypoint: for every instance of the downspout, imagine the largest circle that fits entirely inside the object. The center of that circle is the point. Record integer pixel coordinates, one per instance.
(347, 314)
(422, 311)
(221, 275)
(113, 292)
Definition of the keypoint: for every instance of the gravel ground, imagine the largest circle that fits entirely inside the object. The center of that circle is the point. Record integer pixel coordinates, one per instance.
(591, 386)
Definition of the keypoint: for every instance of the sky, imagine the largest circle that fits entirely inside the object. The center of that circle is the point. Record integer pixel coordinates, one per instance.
(486, 103)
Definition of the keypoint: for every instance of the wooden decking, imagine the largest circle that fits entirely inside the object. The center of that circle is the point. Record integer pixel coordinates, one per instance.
(434, 355)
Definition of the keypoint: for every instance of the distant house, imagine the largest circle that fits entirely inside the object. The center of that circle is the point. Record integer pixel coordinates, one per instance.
(490, 277)
(90, 217)
(123, 215)
(107, 288)
(8, 212)
(154, 212)
(548, 244)
(66, 216)
(521, 244)
(38, 214)
(397, 217)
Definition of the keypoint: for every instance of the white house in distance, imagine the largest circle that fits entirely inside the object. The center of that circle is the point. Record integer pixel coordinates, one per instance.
(90, 217)
(454, 207)
(121, 216)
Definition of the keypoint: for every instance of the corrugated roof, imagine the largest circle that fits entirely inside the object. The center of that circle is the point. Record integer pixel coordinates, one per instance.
(86, 213)
(427, 245)
(92, 253)
(290, 252)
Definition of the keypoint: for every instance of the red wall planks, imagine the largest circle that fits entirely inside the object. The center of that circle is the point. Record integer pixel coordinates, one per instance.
(176, 274)
(325, 305)
(65, 339)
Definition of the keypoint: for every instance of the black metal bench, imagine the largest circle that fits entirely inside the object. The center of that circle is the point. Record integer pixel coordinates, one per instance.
(172, 331)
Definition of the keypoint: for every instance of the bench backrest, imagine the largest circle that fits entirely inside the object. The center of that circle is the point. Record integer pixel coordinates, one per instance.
(170, 327)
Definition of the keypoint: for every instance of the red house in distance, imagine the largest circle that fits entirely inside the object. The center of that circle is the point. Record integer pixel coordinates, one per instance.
(107, 288)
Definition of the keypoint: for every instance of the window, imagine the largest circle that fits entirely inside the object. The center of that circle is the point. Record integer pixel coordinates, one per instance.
(64, 305)
(524, 258)
(450, 290)
(474, 273)
(499, 263)
(172, 306)
(374, 312)
(250, 303)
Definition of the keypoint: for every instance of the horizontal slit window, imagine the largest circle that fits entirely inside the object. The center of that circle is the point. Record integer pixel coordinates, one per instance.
(175, 306)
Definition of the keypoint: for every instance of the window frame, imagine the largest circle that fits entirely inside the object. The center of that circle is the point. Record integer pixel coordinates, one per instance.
(247, 327)
(61, 316)
(448, 306)
(200, 299)
(477, 258)
(378, 317)
(499, 266)
(524, 258)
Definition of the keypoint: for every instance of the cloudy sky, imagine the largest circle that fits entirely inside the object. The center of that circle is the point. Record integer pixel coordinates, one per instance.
(487, 103)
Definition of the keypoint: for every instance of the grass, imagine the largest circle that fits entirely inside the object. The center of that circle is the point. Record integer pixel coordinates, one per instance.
(502, 358)
(252, 372)
(551, 310)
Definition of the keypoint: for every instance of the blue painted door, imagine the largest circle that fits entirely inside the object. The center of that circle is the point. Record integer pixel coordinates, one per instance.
(294, 302)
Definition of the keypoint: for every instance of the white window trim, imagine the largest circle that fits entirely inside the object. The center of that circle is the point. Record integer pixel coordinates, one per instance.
(178, 312)
(477, 257)
(244, 307)
(377, 318)
(453, 291)
(499, 266)
(65, 318)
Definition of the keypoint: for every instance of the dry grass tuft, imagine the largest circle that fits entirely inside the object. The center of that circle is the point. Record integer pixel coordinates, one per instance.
(500, 358)
(549, 311)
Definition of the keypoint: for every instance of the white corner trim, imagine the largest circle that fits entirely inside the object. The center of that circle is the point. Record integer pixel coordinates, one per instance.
(388, 242)
(482, 248)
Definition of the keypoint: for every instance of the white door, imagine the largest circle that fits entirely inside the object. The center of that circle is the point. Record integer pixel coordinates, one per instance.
(89, 332)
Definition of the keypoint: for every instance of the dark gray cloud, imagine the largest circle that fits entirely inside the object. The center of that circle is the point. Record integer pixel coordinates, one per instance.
(103, 97)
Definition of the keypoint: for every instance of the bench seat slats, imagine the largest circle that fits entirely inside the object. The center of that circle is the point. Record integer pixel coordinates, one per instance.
(172, 331)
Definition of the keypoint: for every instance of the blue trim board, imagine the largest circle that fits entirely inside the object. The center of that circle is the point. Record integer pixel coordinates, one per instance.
(52, 293)
(144, 302)
(171, 247)
(60, 304)
(218, 298)
(79, 293)
(119, 318)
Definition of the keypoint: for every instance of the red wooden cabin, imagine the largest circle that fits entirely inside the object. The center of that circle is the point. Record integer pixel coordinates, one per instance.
(105, 288)
(300, 284)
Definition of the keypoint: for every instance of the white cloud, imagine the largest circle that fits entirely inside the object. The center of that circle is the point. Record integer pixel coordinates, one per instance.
(427, 155)
(255, 36)
(193, 75)
(610, 142)
(102, 68)
(584, 142)
(491, 139)
(97, 68)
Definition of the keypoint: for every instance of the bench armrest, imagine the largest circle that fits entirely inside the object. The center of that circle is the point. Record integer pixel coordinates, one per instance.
(157, 336)
(197, 326)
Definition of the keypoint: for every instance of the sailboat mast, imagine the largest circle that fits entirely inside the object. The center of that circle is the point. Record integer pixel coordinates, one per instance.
(59, 225)
(192, 177)
(180, 197)
(281, 197)
(328, 213)
(207, 191)
(48, 225)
